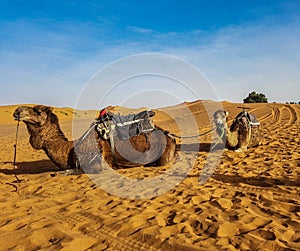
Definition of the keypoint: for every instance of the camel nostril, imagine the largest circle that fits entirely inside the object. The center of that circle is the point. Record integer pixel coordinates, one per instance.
(17, 113)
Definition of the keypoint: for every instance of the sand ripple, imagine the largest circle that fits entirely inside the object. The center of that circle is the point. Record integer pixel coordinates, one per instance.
(252, 202)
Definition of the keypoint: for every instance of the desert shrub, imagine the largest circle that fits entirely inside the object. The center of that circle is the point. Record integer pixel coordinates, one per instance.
(254, 97)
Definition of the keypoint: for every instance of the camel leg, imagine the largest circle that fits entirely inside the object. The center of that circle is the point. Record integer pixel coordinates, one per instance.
(168, 156)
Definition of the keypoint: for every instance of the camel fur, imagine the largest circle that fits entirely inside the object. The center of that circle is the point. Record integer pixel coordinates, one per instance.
(46, 134)
(243, 133)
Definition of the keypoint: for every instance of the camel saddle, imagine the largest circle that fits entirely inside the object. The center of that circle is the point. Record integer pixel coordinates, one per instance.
(250, 117)
(124, 127)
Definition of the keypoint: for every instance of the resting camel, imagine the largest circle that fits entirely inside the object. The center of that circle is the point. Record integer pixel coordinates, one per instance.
(243, 133)
(153, 147)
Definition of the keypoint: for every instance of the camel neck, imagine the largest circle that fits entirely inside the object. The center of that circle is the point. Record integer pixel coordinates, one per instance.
(231, 136)
(57, 147)
(52, 140)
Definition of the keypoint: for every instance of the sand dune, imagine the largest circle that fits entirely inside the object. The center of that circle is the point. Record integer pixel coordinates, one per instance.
(252, 202)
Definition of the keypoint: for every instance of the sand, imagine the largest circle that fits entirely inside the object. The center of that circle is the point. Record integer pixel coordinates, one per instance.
(251, 202)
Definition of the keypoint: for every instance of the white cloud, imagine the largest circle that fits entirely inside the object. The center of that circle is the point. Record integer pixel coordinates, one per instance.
(238, 60)
(140, 30)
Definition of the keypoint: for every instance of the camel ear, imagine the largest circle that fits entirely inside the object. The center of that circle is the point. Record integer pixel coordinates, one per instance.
(49, 109)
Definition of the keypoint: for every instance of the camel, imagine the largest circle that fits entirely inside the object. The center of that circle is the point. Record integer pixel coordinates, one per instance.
(242, 134)
(153, 148)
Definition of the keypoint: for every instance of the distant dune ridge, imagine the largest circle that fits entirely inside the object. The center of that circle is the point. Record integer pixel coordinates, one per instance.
(252, 202)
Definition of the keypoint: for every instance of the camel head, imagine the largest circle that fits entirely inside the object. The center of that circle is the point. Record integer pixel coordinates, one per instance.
(38, 115)
(220, 119)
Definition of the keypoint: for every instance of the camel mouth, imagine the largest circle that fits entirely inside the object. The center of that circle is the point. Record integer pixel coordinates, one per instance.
(19, 116)
(220, 125)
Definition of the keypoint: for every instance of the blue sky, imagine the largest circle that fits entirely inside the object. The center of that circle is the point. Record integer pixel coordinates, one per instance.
(50, 49)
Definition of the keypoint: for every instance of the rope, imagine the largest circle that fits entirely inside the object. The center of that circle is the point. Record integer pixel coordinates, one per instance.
(15, 150)
(191, 136)
(201, 134)
(112, 144)
(219, 139)
(15, 158)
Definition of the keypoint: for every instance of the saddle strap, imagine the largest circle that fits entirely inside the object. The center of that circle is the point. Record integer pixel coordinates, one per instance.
(128, 122)
(112, 144)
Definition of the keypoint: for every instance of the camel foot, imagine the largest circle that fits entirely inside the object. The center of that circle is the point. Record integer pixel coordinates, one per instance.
(240, 150)
(68, 172)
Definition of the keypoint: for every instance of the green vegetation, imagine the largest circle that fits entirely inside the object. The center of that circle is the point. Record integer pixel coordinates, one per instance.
(254, 97)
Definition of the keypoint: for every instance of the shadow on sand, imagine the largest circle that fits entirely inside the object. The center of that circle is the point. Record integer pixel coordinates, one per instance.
(30, 167)
(255, 181)
(44, 166)
(202, 147)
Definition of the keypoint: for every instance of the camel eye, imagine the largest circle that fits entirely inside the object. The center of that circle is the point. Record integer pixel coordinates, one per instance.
(37, 112)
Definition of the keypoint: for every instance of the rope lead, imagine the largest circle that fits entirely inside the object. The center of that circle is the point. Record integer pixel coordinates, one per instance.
(191, 136)
(15, 151)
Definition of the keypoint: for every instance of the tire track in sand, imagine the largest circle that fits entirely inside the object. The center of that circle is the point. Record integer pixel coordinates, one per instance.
(275, 116)
(265, 116)
(292, 116)
(287, 116)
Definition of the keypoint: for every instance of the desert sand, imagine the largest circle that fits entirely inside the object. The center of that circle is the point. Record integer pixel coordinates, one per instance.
(251, 202)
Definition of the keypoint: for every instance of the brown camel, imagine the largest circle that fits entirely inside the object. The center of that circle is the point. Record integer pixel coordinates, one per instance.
(243, 133)
(152, 148)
